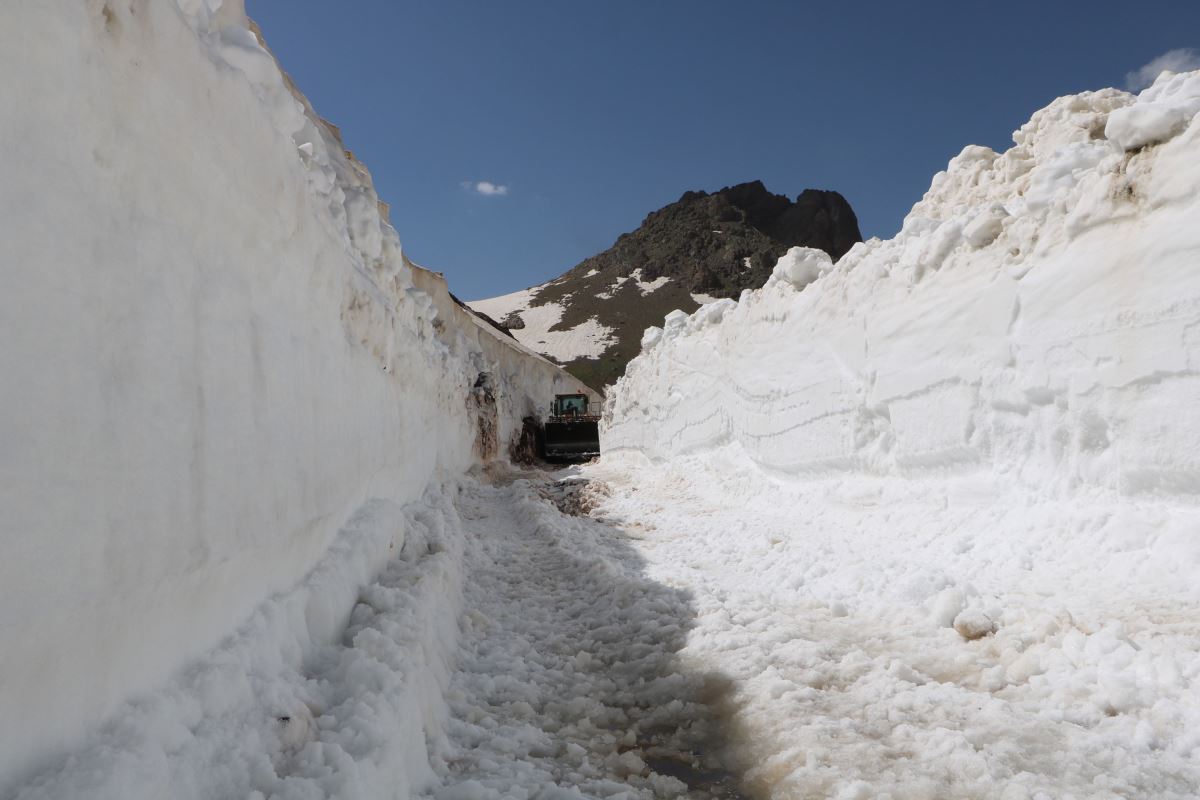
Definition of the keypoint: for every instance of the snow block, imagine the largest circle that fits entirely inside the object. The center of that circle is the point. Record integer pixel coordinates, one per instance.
(800, 266)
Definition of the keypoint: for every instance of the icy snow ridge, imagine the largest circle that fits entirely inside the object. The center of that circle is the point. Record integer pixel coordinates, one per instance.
(939, 501)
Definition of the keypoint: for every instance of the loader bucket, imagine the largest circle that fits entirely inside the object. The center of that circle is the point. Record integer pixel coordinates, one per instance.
(571, 440)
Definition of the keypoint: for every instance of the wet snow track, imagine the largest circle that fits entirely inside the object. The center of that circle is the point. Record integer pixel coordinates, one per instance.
(569, 682)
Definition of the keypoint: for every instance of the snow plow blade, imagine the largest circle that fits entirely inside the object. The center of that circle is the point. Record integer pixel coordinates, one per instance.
(571, 440)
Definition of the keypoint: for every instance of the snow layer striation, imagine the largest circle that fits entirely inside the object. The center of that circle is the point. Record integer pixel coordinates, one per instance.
(938, 502)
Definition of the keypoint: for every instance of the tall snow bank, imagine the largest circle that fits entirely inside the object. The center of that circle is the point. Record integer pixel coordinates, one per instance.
(1036, 318)
(938, 506)
(214, 353)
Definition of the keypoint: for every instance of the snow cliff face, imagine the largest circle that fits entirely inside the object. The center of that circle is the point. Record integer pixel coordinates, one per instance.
(938, 501)
(214, 353)
(1035, 318)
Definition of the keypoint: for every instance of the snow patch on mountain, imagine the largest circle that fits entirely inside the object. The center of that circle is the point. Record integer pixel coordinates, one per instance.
(646, 287)
(588, 339)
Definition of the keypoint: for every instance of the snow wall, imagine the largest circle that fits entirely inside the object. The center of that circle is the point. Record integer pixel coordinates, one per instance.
(989, 424)
(214, 354)
(1037, 318)
(1031, 336)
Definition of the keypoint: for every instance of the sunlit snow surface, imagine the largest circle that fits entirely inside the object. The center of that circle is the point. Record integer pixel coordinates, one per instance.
(984, 427)
(829, 606)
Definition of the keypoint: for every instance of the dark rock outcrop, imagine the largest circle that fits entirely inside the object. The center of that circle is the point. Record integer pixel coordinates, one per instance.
(713, 244)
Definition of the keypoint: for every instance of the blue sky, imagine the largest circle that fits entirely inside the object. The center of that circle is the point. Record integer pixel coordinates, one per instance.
(584, 117)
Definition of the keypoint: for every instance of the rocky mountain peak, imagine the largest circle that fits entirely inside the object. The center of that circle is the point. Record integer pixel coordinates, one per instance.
(702, 247)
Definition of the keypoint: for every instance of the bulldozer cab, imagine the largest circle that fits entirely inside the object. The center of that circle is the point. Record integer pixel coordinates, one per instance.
(570, 433)
(570, 405)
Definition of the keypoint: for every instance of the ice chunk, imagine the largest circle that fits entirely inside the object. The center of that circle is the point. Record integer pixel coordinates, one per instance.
(651, 336)
(945, 606)
(631, 763)
(801, 266)
(973, 624)
(986, 226)
(1160, 112)
(1143, 124)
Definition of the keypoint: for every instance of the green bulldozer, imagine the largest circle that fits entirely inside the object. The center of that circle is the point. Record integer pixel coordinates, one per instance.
(571, 432)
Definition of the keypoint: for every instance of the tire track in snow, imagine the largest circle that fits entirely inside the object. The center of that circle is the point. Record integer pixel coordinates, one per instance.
(569, 683)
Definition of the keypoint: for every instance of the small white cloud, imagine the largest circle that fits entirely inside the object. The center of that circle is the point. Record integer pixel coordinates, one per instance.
(1183, 59)
(486, 188)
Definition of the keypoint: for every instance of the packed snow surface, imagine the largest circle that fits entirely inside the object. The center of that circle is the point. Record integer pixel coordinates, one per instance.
(570, 683)
(938, 502)
(506, 650)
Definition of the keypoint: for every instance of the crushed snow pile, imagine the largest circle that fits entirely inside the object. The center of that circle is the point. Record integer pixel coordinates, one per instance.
(215, 354)
(939, 501)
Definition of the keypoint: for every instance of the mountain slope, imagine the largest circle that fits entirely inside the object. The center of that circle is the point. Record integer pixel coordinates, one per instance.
(700, 248)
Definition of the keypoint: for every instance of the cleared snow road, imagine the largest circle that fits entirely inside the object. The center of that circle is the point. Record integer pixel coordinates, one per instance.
(557, 659)
(694, 610)
(569, 681)
(700, 631)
